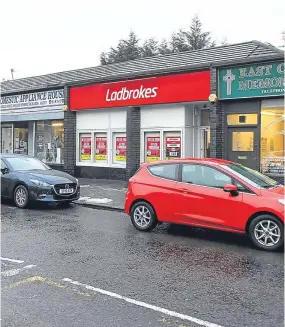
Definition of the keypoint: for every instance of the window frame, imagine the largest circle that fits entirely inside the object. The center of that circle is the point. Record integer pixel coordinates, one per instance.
(176, 179)
(233, 180)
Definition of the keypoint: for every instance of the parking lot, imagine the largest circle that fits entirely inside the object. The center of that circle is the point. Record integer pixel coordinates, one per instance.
(85, 267)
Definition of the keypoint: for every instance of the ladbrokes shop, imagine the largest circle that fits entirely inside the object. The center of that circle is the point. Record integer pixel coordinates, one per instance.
(171, 116)
(140, 120)
(224, 102)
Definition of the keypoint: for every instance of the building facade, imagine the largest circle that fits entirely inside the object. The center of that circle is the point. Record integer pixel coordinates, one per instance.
(33, 124)
(120, 115)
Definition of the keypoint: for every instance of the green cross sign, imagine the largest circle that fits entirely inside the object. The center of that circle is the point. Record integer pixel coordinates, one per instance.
(252, 81)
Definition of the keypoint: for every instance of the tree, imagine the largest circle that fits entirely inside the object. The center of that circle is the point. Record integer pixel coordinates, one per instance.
(130, 49)
(164, 48)
(179, 42)
(224, 41)
(126, 50)
(149, 48)
(196, 38)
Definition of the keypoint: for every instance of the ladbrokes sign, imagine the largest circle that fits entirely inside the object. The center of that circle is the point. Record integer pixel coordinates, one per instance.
(158, 90)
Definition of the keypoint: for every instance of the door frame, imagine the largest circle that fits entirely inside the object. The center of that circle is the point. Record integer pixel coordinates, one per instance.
(201, 139)
(253, 128)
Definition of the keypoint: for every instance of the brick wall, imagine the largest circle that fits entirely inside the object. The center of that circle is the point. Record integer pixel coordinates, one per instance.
(217, 121)
(69, 137)
(133, 129)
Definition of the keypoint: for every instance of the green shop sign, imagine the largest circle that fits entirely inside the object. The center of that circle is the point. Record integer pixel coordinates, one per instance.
(251, 81)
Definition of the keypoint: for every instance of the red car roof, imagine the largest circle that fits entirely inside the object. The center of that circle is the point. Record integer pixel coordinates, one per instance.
(193, 160)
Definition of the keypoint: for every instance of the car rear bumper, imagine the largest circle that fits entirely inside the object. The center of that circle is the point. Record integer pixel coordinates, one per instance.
(48, 194)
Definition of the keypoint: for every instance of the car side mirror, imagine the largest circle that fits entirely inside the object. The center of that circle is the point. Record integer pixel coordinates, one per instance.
(4, 171)
(230, 188)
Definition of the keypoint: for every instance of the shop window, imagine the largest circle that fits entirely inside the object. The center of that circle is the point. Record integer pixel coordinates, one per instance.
(49, 141)
(205, 117)
(21, 138)
(101, 148)
(242, 119)
(152, 146)
(119, 152)
(172, 145)
(243, 141)
(168, 171)
(85, 142)
(272, 140)
(6, 139)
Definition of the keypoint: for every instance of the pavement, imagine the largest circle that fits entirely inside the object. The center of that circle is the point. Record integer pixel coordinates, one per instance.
(103, 194)
(81, 267)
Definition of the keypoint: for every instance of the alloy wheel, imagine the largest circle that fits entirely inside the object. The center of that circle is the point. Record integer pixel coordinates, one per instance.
(21, 197)
(267, 233)
(142, 216)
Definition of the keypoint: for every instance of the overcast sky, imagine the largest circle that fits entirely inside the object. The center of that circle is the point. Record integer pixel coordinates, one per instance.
(46, 36)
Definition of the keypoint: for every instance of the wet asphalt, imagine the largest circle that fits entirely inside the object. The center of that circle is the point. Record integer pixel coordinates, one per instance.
(213, 276)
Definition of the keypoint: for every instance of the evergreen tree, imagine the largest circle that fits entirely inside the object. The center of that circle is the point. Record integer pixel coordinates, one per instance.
(126, 50)
(149, 48)
(164, 48)
(178, 42)
(196, 38)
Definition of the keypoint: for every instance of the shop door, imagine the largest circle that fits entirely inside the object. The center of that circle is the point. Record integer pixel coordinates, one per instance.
(205, 143)
(21, 138)
(242, 146)
(6, 140)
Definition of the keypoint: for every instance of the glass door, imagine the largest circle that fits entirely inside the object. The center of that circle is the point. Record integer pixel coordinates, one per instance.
(21, 138)
(6, 139)
(205, 142)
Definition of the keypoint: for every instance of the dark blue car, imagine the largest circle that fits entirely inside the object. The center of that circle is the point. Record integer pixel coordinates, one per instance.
(25, 179)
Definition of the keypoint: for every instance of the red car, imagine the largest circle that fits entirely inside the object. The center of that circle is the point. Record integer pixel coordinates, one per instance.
(208, 193)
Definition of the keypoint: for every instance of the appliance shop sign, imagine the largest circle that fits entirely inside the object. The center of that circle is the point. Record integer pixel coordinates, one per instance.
(35, 99)
(261, 80)
(157, 90)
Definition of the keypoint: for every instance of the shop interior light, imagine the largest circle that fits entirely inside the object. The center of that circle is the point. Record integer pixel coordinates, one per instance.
(57, 124)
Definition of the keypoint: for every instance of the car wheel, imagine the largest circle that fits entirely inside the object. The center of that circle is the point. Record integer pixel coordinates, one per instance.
(21, 196)
(266, 232)
(143, 216)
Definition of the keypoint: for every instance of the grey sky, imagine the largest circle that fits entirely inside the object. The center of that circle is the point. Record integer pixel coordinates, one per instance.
(46, 36)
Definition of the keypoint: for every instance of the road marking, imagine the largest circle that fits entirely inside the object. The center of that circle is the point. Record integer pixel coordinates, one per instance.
(144, 304)
(14, 272)
(11, 260)
(44, 280)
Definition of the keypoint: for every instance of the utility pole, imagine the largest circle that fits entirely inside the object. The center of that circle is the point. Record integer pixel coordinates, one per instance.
(12, 72)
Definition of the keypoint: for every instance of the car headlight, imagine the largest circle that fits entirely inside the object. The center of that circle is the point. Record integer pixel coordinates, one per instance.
(282, 201)
(39, 183)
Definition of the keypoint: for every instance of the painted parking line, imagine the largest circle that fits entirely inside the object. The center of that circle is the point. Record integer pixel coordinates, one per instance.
(11, 260)
(14, 272)
(44, 280)
(144, 304)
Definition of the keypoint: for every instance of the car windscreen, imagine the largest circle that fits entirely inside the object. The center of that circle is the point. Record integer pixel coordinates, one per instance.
(26, 164)
(251, 176)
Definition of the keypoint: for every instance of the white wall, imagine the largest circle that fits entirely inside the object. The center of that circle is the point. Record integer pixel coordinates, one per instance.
(162, 116)
(101, 119)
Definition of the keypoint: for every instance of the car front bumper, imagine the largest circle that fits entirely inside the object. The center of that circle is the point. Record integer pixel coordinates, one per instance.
(48, 194)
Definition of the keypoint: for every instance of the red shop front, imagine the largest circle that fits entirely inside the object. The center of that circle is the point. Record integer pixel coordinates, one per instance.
(165, 114)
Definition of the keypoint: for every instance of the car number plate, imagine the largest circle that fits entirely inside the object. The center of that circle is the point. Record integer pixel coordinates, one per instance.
(66, 191)
(173, 154)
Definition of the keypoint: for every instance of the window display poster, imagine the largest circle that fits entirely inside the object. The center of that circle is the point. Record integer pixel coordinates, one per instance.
(101, 148)
(272, 165)
(152, 148)
(173, 147)
(121, 148)
(85, 147)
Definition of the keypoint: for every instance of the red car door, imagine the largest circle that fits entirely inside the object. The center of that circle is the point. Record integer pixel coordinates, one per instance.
(203, 202)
